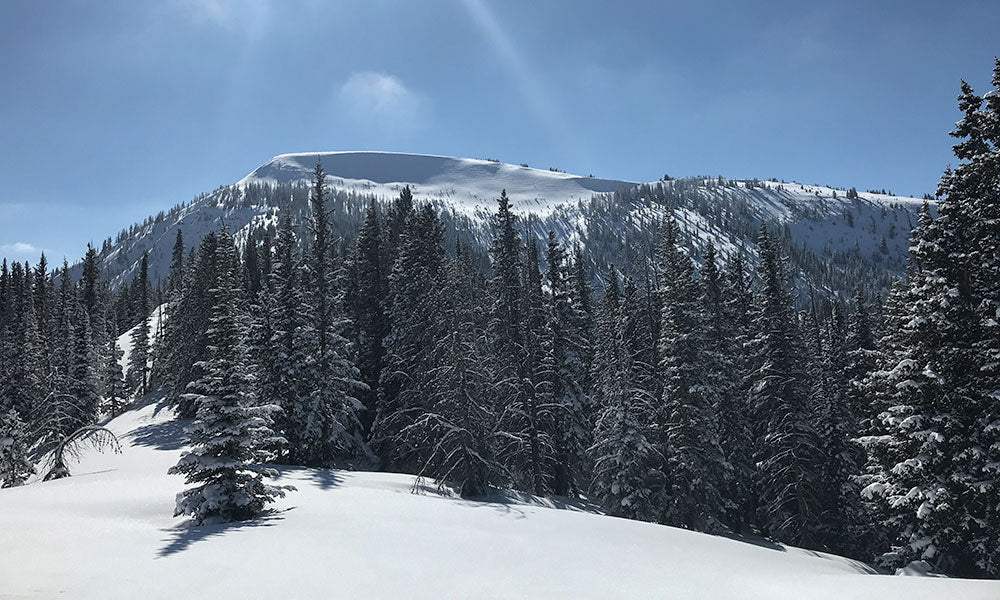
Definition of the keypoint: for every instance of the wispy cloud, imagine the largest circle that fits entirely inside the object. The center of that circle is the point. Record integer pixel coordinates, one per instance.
(19, 248)
(247, 16)
(382, 100)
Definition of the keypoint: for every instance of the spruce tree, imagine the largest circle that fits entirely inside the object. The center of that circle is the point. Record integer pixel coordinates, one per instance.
(565, 362)
(788, 451)
(458, 426)
(625, 475)
(410, 341)
(231, 429)
(688, 436)
(114, 380)
(138, 371)
(15, 467)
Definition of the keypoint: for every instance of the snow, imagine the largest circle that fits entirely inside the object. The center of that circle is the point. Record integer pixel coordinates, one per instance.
(465, 184)
(107, 532)
(125, 340)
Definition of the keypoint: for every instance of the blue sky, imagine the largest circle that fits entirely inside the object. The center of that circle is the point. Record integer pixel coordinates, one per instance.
(111, 111)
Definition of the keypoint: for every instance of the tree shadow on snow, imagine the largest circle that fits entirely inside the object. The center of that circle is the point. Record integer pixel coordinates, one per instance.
(168, 435)
(325, 479)
(184, 535)
(755, 540)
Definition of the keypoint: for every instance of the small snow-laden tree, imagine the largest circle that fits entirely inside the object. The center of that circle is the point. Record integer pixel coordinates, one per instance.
(15, 468)
(114, 380)
(231, 430)
(459, 427)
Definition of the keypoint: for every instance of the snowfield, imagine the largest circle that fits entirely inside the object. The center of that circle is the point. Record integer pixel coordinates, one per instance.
(107, 532)
(465, 184)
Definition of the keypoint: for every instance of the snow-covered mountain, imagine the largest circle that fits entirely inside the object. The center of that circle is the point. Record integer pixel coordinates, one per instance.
(107, 532)
(834, 241)
(467, 185)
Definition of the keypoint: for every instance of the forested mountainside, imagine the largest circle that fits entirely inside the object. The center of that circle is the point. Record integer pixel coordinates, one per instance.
(837, 240)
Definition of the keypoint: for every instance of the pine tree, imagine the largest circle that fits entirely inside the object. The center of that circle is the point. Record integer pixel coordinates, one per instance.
(458, 427)
(410, 341)
(175, 275)
(114, 380)
(327, 421)
(625, 478)
(565, 362)
(505, 284)
(788, 450)
(688, 436)
(138, 370)
(370, 287)
(231, 428)
(527, 415)
(15, 467)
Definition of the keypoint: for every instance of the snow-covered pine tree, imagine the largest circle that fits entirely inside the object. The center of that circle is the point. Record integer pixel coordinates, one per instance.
(85, 385)
(175, 274)
(325, 419)
(626, 477)
(369, 292)
(185, 342)
(526, 410)
(459, 426)
(787, 452)
(231, 429)
(15, 467)
(411, 339)
(975, 183)
(138, 368)
(734, 415)
(114, 380)
(505, 285)
(565, 357)
(723, 334)
(687, 436)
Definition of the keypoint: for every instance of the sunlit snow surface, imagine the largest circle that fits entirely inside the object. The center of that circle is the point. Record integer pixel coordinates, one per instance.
(465, 184)
(107, 532)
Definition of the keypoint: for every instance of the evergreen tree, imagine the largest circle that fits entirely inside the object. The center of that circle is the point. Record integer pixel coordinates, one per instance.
(625, 477)
(175, 275)
(138, 370)
(15, 467)
(231, 428)
(527, 418)
(688, 436)
(410, 342)
(458, 427)
(370, 291)
(565, 363)
(114, 380)
(788, 451)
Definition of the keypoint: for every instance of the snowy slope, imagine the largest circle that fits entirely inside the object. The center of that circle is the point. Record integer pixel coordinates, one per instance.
(107, 532)
(819, 218)
(465, 184)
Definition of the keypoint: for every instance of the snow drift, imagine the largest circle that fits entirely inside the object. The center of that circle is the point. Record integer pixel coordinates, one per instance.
(107, 532)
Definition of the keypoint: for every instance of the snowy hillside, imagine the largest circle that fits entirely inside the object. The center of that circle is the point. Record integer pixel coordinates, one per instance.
(464, 183)
(612, 216)
(107, 532)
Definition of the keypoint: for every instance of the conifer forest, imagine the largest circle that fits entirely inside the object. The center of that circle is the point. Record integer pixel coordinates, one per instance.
(762, 391)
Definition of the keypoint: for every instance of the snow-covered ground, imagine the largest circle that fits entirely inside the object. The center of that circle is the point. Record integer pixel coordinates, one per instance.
(465, 184)
(107, 532)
